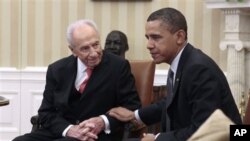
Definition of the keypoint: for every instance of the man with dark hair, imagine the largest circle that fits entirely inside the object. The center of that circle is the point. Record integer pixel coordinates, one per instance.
(196, 86)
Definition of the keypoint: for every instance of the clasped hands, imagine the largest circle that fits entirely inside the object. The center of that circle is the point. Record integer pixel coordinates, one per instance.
(87, 130)
(126, 115)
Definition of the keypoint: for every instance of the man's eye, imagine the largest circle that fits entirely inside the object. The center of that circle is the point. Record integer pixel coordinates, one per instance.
(84, 49)
(155, 37)
(96, 45)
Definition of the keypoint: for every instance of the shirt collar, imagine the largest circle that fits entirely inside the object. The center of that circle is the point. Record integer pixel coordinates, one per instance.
(80, 66)
(176, 60)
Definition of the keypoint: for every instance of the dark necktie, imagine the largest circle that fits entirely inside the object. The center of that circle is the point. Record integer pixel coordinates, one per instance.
(170, 94)
(84, 83)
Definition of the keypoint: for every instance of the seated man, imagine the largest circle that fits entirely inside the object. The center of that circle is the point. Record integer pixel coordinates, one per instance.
(117, 43)
(81, 88)
(196, 86)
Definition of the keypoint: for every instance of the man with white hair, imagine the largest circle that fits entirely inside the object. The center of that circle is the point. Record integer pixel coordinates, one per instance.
(81, 88)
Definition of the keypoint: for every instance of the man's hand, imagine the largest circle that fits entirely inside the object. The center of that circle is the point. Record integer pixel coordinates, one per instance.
(87, 130)
(122, 114)
(148, 137)
(98, 123)
(82, 133)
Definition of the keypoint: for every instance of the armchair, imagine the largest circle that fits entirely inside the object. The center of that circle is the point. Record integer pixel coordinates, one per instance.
(143, 72)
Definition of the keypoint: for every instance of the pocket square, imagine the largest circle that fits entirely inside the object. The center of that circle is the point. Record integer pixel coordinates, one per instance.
(215, 128)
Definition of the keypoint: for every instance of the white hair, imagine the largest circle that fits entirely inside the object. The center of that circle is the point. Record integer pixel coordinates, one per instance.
(71, 28)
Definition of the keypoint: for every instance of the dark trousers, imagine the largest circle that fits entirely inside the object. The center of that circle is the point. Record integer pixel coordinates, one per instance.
(133, 139)
(42, 135)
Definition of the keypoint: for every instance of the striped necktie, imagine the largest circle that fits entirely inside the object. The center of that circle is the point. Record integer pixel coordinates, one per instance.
(84, 83)
(170, 93)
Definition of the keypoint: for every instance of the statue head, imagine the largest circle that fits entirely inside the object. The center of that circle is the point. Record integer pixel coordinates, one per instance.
(117, 43)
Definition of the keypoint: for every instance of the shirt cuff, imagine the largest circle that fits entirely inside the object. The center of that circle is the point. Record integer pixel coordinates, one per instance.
(157, 135)
(66, 130)
(106, 122)
(137, 117)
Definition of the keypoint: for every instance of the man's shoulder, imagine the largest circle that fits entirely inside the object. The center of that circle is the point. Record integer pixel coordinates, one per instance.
(196, 56)
(64, 60)
(113, 59)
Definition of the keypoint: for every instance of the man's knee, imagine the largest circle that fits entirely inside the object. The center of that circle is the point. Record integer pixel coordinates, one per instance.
(66, 139)
(133, 139)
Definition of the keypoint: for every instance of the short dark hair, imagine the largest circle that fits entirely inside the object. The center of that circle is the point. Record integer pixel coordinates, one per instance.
(173, 18)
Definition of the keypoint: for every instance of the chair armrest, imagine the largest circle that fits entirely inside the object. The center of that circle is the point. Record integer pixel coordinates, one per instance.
(134, 129)
(34, 120)
(35, 123)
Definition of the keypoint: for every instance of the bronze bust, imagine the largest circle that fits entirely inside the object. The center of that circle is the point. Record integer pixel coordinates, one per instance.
(117, 43)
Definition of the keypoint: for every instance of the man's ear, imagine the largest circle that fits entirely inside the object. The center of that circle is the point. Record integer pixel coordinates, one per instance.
(181, 36)
(72, 50)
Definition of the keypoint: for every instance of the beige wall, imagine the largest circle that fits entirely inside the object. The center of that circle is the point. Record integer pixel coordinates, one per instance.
(32, 32)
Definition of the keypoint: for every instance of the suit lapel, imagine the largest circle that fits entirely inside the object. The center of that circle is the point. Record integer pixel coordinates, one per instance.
(181, 65)
(182, 62)
(97, 73)
(70, 71)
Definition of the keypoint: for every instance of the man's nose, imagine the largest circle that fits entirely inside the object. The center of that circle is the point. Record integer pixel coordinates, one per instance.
(92, 51)
(149, 44)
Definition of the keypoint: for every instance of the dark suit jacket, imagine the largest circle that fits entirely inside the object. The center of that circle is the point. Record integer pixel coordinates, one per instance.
(110, 85)
(200, 88)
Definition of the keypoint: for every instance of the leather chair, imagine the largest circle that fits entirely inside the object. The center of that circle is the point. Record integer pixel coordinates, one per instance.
(143, 72)
(35, 123)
